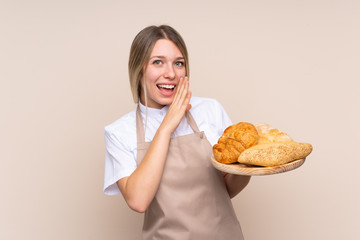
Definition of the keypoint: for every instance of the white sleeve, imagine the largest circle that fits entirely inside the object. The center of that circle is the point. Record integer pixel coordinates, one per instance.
(119, 162)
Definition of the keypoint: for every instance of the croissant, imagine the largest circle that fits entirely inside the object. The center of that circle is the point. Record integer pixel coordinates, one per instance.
(235, 139)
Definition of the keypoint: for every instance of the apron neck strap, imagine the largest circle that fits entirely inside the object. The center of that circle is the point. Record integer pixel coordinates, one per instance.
(139, 126)
(140, 132)
(191, 121)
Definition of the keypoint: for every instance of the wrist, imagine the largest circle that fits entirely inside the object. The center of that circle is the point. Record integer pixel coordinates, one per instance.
(164, 131)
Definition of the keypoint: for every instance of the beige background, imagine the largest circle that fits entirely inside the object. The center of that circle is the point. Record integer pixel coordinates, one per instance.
(63, 67)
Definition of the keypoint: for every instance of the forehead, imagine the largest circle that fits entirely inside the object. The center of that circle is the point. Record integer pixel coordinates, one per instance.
(165, 47)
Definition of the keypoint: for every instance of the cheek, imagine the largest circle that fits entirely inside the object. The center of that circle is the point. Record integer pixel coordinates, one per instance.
(181, 73)
(151, 75)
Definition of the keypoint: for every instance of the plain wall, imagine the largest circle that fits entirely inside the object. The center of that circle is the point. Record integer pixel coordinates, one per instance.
(63, 68)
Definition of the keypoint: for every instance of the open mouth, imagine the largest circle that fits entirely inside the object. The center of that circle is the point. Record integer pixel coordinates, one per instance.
(166, 87)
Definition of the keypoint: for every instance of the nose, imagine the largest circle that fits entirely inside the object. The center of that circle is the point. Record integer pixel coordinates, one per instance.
(169, 72)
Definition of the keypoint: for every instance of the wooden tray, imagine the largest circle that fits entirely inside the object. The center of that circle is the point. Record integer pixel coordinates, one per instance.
(242, 169)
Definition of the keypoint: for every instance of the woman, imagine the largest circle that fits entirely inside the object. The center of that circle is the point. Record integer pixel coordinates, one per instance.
(158, 156)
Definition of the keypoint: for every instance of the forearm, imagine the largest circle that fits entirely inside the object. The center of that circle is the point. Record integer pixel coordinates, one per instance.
(140, 187)
(235, 183)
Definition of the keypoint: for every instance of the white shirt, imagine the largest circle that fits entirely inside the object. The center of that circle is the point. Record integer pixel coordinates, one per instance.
(121, 139)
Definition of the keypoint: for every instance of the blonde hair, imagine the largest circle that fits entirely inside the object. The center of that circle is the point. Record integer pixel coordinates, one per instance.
(140, 51)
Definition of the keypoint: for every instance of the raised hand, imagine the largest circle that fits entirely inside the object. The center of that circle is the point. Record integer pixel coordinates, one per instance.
(178, 107)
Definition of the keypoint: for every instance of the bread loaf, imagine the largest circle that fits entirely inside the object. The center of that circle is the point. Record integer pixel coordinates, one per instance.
(274, 154)
(274, 148)
(234, 141)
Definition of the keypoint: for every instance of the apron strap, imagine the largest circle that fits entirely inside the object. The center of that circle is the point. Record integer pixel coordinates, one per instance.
(140, 126)
(191, 122)
(140, 133)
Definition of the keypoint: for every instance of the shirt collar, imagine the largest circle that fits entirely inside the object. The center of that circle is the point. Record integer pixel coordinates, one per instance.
(153, 111)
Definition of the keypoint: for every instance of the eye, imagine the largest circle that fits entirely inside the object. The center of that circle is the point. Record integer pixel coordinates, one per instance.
(179, 64)
(157, 62)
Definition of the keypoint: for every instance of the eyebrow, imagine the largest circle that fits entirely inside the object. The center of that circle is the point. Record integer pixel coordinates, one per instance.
(165, 57)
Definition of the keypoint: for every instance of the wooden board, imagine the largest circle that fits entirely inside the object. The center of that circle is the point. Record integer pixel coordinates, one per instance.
(242, 169)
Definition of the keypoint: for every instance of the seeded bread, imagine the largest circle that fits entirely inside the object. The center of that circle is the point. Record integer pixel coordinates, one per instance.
(274, 154)
(274, 148)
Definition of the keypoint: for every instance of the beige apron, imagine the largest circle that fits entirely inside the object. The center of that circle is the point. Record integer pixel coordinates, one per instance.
(192, 202)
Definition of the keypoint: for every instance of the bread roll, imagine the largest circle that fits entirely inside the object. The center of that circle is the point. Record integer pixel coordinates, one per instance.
(234, 141)
(268, 134)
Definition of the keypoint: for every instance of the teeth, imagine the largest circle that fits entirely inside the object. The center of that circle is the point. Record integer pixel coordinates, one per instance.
(166, 86)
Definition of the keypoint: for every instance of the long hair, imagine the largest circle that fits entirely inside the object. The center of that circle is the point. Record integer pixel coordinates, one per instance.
(141, 49)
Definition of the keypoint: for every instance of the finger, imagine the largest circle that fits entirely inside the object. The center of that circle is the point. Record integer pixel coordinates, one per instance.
(184, 90)
(185, 104)
(178, 90)
(188, 107)
(183, 87)
(187, 101)
(179, 97)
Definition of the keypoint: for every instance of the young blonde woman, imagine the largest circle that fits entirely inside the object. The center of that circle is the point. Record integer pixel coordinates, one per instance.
(158, 155)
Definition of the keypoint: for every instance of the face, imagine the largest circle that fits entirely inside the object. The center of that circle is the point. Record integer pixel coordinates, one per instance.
(162, 74)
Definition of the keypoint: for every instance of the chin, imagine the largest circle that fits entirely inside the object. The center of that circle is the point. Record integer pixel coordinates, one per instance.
(165, 101)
